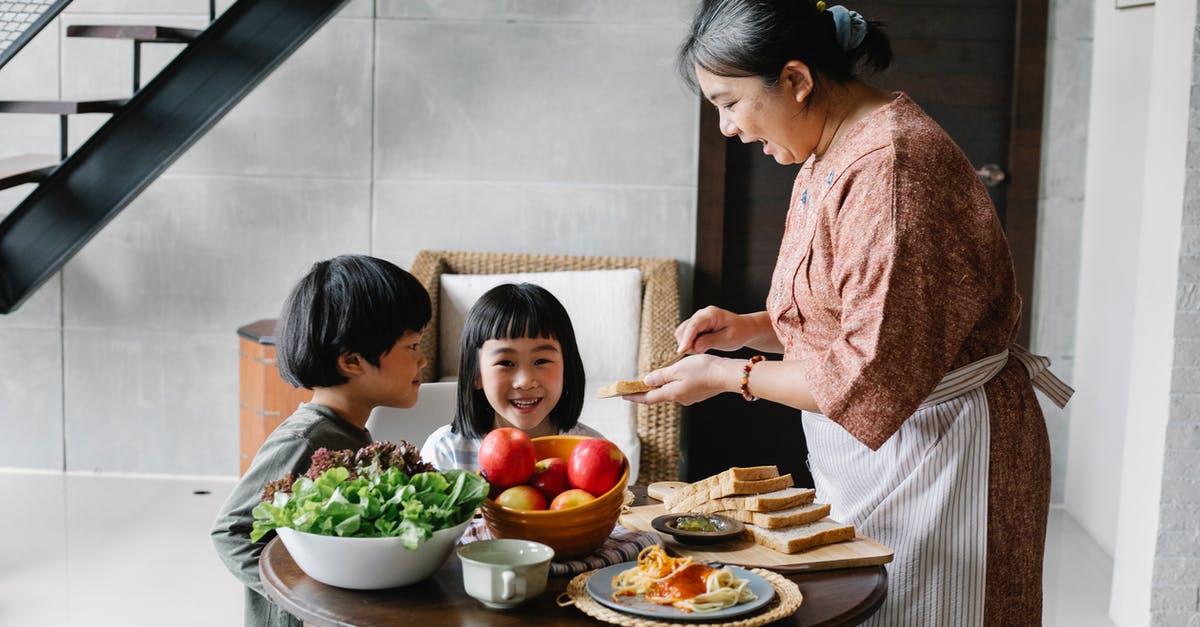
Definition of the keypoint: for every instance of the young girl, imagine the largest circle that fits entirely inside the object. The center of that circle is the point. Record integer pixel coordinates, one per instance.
(520, 368)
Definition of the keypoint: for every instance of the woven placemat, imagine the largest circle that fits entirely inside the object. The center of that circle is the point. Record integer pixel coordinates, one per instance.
(787, 600)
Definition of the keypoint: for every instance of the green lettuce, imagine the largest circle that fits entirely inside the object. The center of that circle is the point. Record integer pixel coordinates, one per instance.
(373, 503)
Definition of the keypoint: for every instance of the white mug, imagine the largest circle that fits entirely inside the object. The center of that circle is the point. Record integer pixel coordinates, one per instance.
(505, 573)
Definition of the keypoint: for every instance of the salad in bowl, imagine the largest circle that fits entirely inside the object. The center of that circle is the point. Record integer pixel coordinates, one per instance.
(378, 517)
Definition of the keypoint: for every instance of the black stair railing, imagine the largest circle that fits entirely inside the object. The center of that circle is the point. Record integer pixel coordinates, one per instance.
(204, 81)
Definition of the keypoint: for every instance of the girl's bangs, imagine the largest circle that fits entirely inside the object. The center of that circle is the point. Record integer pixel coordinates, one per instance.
(522, 323)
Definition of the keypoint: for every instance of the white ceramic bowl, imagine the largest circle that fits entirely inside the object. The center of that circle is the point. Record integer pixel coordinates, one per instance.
(369, 563)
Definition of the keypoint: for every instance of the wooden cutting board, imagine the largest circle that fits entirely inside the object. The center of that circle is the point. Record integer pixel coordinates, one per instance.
(861, 551)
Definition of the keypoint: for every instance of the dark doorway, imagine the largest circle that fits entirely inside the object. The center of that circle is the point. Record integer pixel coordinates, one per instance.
(975, 66)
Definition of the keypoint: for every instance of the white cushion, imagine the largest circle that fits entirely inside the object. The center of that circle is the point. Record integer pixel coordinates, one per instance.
(605, 308)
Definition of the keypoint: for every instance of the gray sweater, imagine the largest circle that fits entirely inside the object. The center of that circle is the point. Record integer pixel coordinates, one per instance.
(286, 451)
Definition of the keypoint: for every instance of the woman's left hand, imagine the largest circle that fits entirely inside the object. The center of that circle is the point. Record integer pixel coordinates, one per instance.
(693, 379)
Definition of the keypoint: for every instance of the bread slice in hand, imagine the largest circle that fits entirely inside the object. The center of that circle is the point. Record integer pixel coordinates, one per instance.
(790, 517)
(765, 502)
(622, 387)
(801, 537)
(736, 480)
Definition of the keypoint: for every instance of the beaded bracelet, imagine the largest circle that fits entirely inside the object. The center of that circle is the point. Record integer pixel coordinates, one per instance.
(746, 377)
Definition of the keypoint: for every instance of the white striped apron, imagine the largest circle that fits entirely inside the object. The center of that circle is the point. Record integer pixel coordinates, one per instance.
(924, 492)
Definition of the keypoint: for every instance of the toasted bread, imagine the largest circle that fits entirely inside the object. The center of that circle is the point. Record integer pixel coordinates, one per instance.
(801, 537)
(622, 387)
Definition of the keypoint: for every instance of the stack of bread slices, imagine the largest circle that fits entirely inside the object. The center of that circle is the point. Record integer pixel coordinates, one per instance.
(777, 515)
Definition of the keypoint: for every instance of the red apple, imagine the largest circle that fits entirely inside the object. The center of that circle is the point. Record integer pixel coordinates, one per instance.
(571, 498)
(595, 465)
(522, 497)
(506, 457)
(550, 476)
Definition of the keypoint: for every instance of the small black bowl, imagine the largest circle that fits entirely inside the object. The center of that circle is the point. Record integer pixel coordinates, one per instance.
(724, 528)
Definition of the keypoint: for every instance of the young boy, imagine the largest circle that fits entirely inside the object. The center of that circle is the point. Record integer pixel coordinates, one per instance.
(350, 332)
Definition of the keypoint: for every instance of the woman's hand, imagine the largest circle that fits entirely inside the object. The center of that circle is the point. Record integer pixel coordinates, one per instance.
(713, 328)
(692, 380)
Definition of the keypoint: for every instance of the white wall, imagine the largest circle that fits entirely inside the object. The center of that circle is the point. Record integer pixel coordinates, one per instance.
(556, 127)
(1147, 410)
(1116, 150)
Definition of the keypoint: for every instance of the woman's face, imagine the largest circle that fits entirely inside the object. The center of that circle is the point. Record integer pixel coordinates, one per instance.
(775, 116)
(522, 379)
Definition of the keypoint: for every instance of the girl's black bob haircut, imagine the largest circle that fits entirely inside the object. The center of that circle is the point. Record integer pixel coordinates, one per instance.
(348, 304)
(511, 311)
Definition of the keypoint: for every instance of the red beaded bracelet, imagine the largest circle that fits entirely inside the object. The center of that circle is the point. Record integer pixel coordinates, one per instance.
(746, 377)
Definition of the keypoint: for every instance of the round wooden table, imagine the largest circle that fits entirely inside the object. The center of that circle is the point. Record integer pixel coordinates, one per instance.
(832, 597)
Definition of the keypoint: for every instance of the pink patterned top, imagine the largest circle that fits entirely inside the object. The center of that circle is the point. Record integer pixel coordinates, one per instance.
(893, 270)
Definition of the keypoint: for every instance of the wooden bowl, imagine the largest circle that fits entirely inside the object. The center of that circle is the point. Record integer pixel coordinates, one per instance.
(572, 532)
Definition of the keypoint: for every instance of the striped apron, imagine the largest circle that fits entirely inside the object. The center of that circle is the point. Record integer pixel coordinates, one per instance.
(924, 492)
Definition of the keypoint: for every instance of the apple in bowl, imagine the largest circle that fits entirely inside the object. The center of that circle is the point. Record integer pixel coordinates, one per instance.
(550, 477)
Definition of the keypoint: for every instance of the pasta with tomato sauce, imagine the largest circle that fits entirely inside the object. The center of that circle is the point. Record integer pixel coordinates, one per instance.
(682, 582)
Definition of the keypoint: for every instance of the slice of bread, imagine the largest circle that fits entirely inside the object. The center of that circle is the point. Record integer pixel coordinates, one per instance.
(622, 387)
(751, 480)
(801, 537)
(765, 502)
(809, 512)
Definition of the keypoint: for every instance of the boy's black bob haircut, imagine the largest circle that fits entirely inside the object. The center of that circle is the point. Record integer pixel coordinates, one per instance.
(348, 304)
(514, 311)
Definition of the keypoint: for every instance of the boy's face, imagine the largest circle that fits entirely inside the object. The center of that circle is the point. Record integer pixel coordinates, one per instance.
(398, 378)
(522, 379)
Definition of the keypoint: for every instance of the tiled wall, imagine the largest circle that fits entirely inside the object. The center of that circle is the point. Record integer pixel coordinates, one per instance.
(554, 127)
(1176, 598)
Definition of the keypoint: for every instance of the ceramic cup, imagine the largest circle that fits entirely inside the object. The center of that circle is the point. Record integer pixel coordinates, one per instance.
(505, 573)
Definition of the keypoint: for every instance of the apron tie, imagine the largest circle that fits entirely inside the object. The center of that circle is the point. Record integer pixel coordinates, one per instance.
(1038, 367)
(975, 374)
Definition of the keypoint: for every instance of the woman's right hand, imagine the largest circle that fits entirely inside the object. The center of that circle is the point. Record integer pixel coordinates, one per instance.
(713, 328)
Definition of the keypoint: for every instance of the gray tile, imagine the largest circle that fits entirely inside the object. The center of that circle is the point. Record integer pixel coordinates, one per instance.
(311, 117)
(603, 11)
(31, 399)
(206, 255)
(173, 409)
(1071, 19)
(513, 217)
(31, 75)
(529, 102)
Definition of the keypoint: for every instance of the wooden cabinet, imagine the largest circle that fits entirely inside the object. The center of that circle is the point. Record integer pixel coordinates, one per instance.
(264, 398)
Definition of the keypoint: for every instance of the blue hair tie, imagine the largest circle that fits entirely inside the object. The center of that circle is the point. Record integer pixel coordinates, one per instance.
(849, 26)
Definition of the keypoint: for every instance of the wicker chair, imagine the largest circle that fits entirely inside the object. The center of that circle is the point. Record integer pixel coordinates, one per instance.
(657, 425)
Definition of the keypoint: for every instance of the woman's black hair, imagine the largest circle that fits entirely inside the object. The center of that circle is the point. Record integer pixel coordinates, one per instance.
(511, 311)
(348, 304)
(737, 38)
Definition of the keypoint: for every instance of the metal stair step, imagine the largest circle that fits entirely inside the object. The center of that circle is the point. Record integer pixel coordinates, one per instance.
(23, 169)
(139, 32)
(62, 107)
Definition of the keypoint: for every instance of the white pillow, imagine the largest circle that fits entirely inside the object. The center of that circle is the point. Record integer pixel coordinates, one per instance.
(605, 307)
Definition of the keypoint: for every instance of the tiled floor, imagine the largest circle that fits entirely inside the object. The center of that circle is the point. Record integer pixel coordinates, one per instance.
(81, 549)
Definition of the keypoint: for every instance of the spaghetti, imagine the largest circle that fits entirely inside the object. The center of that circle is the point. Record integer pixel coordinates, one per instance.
(681, 582)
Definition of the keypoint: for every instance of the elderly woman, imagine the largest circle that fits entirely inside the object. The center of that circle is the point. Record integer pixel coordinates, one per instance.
(894, 305)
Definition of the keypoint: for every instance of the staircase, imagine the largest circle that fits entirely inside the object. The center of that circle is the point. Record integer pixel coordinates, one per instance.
(78, 193)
